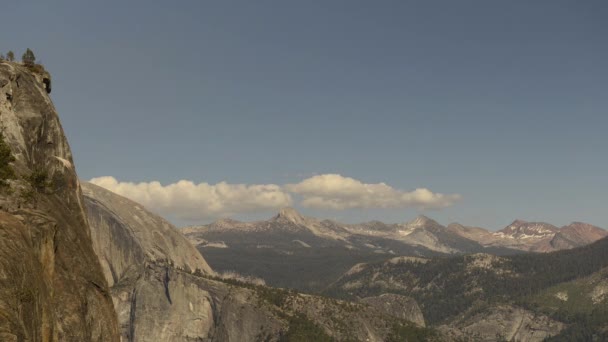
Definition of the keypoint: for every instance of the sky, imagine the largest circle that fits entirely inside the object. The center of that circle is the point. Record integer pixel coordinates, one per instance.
(479, 112)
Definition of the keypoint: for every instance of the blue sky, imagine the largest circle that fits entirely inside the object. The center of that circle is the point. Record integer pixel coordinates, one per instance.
(503, 103)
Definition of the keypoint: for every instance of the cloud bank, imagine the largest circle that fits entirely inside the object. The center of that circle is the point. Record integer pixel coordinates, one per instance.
(333, 191)
(189, 201)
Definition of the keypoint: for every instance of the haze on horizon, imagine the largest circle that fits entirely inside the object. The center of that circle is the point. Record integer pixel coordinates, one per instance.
(473, 112)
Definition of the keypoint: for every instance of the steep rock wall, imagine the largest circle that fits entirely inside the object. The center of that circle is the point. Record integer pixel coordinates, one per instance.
(52, 287)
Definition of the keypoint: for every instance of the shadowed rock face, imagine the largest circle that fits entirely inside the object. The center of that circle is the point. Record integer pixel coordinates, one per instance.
(51, 284)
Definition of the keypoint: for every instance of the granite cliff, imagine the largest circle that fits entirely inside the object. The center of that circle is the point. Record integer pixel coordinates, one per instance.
(51, 284)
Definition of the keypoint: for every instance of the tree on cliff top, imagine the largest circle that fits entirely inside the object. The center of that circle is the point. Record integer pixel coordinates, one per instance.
(10, 56)
(28, 57)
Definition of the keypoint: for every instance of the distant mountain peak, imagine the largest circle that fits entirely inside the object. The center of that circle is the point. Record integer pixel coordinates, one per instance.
(583, 227)
(518, 222)
(291, 215)
(226, 221)
(519, 229)
(582, 224)
(421, 221)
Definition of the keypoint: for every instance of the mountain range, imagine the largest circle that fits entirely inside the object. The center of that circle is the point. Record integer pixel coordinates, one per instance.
(292, 250)
(558, 296)
(421, 232)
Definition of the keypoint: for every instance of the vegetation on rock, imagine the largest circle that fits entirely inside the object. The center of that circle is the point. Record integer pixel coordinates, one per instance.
(39, 180)
(301, 329)
(6, 158)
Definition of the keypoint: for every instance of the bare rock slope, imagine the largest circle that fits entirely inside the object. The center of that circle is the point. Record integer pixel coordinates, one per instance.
(140, 254)
(504, 323)
(51, 284)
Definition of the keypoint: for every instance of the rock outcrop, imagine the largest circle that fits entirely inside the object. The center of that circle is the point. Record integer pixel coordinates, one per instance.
(397, 306)
(504, 323)
(148, 265)
(51, 284)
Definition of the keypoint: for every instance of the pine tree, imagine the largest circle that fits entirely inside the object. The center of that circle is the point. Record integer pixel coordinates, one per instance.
(10, 56)
(28, 57)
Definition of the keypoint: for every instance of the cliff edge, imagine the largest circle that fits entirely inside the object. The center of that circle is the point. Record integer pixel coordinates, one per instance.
(52, 287)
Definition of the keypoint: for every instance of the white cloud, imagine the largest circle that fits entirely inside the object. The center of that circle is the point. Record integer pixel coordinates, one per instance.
(333, 191)
(189, 201)
(186, 200)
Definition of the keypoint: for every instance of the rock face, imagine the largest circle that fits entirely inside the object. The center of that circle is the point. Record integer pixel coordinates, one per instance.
(142, 256)
(51, 284)
(142, 235)
(505, 323)
(397, 306)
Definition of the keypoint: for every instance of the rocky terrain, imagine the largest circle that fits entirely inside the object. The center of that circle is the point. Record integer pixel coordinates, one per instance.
(52, 286)
(141, 255)
(164, 290)
(398, 306)
(503, 323)
(288, 228)
(294, 251)
(533, 236)
(487, 297)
